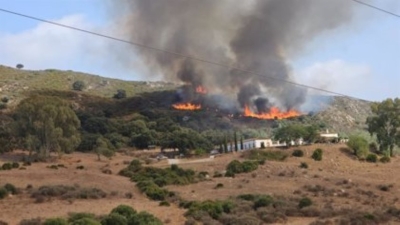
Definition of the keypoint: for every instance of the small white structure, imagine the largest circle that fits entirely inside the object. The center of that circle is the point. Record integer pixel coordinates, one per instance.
(255, 143)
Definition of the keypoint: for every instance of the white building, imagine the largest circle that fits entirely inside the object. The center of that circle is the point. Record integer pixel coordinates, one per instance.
(255, 143)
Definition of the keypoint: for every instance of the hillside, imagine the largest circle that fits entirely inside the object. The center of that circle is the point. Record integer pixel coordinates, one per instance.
(339, 114)
(14, 83)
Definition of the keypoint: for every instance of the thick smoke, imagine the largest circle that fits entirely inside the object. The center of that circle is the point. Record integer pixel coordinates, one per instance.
(254, 35)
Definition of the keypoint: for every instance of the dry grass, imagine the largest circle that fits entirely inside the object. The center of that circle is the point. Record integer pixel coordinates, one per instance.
(334, 184)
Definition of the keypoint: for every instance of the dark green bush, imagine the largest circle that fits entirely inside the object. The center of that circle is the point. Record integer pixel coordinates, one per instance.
(78, 216)
(236, 167)
(144, 218)
(263, 201)
(11, 188)
(164, 203)
(55, 221)
(15, 165)
(298, 153)
(305, 202)
(124, 210)
(249, 166)
(304, 165)
(372, 158)
(317, 154)
(114, 219)
(7, 166)
(3, 192)
(247, 197)
(265, 155)
(212, 208)
(385, 159)
(85, 221)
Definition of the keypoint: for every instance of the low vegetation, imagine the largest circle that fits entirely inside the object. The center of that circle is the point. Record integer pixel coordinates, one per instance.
(121, 215)
(317, 154)
(236, 167)
(298, 153)
(150, 180)
(268, 155)
(66, 192)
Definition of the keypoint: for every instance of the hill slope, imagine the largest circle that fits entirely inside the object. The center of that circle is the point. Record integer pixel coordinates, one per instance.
(340, 114)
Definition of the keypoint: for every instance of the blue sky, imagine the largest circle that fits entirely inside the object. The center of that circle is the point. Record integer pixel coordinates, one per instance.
(363, 60)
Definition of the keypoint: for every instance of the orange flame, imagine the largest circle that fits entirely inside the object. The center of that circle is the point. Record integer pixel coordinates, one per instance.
(274, 113)
(186, 106)
(201, 90)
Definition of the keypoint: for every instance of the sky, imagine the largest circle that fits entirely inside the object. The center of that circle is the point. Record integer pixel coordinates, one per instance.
(360, 60)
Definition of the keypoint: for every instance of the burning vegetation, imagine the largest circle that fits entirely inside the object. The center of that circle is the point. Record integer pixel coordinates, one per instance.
(254, 36)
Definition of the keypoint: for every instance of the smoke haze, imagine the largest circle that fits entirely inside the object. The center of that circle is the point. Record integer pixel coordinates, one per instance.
(254, 35)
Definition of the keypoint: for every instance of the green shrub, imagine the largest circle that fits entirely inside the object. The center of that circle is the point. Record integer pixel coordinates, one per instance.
(263, 201)
(85, 221)
(372, 158)
(114, 219)
(359, 145)
(305, 202)
(55, 221)
(385, 159)
(152, 190)
(247, 197)
(212, 208)
(78, 85)
(164, 203)
(298, 153)
(7, 166)
(317, 154)
(11, 188)
(304, 165)
(124, 210)
(15, 165)
(3, 192)
(236, 167)
(78, 216)
(144, 218)
(265, 155)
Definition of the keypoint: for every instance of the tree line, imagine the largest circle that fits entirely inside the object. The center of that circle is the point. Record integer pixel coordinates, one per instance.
(46, 124)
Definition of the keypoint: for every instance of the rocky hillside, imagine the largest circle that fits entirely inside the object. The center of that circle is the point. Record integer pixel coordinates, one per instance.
(345, 115)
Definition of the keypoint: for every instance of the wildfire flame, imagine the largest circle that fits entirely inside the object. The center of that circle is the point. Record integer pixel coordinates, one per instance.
(201, 90)
(186, 106)
(274, 113)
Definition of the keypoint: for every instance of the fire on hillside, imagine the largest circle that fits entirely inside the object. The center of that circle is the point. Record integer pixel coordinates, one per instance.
(274, 113)
(186, 106)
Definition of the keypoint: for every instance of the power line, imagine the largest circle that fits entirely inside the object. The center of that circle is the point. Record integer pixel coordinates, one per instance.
(178, 54)
(377, 8)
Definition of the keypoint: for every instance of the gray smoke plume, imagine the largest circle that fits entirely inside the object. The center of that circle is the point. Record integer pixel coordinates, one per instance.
(255, 35)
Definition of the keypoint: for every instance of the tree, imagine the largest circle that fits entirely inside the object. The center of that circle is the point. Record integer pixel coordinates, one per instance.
(359, 145)
(78, 85)
(47, 124)
(290, 133)
(102, 148)
(120, 94)
(385, 124)
(19, 66)
(241, 143)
